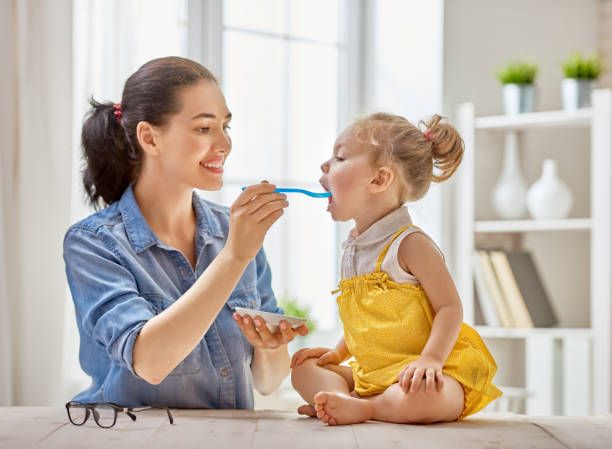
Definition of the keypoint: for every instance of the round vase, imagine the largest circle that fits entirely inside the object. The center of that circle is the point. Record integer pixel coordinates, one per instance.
(549, 198)
(509, 193)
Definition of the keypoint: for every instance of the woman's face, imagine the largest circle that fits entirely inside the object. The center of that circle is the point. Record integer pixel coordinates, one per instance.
(195, 143)
(347, 175)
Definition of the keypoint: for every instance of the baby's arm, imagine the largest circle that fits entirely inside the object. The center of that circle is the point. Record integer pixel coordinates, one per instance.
(324, 355)
(418, 255)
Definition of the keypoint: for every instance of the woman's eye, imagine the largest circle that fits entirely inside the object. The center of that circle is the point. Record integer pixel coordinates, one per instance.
(203, 130)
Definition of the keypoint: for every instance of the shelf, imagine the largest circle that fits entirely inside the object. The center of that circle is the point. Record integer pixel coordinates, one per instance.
(534, 120)
(553, 332)
(568, 224)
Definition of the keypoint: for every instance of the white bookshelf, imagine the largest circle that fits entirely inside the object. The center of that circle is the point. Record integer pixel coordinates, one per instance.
(557, 383)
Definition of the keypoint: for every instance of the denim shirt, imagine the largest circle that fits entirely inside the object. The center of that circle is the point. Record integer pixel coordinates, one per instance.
(121, 275)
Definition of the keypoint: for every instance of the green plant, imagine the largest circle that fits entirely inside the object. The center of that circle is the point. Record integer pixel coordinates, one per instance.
(582, 67)
(294, 308)
(518, 72)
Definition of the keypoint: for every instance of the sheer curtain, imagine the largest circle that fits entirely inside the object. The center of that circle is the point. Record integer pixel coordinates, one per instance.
(35, 83)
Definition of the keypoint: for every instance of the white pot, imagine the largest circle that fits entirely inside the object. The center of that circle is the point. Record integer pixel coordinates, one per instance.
(518, 98)
(509, 193)
(549, 198)
(576, 93)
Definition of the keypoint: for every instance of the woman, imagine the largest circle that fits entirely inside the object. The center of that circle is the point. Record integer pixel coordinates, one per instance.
(155, 275)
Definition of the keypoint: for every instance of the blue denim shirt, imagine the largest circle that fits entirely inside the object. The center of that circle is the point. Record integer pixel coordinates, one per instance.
(121, 275)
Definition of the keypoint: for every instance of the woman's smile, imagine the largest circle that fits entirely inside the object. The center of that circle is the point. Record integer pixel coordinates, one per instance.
(213, 165)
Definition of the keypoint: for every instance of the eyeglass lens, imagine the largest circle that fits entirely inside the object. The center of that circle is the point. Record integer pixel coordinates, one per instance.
(77, 413)
(104, 415)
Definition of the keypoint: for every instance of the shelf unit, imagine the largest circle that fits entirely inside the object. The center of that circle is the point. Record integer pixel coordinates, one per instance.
(550, 384)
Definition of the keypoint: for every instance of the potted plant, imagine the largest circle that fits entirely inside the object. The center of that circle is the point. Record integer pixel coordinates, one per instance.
(517, 78)
(294, 308)
(580, 75)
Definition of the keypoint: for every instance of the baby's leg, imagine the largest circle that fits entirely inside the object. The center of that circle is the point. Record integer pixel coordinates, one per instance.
(393, 405)
(308, 379)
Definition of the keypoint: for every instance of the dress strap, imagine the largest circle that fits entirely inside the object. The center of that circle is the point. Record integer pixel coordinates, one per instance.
(383, 253)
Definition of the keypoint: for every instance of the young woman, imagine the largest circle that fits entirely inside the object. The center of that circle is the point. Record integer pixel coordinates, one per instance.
(155, 275)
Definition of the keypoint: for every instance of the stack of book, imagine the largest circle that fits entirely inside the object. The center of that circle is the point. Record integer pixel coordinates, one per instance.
(509, 290)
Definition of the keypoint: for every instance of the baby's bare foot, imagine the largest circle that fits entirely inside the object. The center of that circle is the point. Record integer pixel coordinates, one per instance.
(307, 410)
(338, 409)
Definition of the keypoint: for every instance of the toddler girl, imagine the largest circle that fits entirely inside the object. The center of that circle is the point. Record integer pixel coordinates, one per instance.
(415, 360)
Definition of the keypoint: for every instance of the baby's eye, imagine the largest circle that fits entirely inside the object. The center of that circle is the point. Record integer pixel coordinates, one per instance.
(339, 159)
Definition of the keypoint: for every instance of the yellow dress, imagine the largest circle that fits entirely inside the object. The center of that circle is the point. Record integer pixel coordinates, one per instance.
(386, 326)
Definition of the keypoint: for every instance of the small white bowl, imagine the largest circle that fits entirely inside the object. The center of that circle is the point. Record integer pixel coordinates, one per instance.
(271, 319)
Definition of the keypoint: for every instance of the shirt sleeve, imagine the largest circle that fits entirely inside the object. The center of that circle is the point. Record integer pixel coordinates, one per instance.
(107, 302)
(264, 284)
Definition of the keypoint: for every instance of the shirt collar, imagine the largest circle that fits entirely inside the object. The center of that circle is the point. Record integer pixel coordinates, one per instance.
(141, 235)
(381, 229)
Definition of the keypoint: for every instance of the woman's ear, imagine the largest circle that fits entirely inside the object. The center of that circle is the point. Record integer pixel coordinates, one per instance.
(148, 139)
(382, 180)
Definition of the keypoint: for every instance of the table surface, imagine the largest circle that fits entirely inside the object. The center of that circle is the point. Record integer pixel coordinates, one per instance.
(48, 427)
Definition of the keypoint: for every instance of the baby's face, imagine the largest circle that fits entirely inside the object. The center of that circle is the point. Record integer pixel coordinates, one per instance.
(347, 175)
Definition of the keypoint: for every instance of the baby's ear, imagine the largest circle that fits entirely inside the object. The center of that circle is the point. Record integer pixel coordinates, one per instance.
(382, 180)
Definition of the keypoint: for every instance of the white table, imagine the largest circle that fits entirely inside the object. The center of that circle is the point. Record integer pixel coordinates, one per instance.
(48, 427)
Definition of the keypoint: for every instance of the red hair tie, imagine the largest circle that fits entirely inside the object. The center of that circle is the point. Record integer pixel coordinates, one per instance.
(117, 112)
(427, 134)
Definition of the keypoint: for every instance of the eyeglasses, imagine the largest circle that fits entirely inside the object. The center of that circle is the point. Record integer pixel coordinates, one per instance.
(105, 413)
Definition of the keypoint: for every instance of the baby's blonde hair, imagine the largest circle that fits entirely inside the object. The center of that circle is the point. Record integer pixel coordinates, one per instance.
(413, 152)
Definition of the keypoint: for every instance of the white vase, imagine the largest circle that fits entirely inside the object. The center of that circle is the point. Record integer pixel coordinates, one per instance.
(549, 198)
(508, 196)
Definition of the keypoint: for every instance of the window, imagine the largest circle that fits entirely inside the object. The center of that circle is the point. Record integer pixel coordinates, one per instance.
(282, 78)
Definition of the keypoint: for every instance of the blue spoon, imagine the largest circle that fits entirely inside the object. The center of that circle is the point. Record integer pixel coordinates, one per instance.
(305, 192)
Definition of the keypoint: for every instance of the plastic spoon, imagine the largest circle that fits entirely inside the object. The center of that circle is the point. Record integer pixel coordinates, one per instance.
(305, 192)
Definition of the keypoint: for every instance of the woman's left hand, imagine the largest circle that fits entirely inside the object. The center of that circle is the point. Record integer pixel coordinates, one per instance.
(259, 335)
(424, 369)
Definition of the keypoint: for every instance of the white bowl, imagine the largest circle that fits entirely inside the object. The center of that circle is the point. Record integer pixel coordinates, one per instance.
(271, 319)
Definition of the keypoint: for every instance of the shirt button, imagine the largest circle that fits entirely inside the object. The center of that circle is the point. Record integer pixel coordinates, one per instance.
(224, 372)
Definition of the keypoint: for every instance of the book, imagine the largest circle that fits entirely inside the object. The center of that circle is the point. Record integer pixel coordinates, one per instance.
(509, 286)
(532, 289)
(494, 289)
(487, 306)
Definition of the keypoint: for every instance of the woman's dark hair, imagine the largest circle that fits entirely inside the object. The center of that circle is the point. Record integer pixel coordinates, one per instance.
(111, 150)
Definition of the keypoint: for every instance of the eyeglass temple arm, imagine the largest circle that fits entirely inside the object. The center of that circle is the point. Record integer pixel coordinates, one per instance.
(131, 409)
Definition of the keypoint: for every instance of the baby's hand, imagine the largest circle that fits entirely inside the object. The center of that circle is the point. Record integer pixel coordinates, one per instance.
(324, 356)
(424, 368)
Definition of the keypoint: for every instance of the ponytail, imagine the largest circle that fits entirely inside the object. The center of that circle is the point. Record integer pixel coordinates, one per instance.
(110, 161)
(446, 148)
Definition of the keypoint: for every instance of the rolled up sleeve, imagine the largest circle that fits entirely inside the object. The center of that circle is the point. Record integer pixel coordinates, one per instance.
(108, 305)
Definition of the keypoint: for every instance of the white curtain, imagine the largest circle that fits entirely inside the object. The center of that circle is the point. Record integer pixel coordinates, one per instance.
(36, 87)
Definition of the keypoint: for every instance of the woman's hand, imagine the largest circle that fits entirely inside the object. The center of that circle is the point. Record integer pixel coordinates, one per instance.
(258, 334)
(323, 355)
(251, 215)
(422, 369)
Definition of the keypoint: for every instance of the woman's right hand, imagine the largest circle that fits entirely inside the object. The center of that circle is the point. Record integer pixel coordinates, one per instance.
(324, 356)
(252, 214)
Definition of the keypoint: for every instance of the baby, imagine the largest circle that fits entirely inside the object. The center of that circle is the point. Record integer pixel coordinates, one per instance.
(415, 361)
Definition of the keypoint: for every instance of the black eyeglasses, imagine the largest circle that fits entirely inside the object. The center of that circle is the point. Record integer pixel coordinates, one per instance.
(105, 413)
